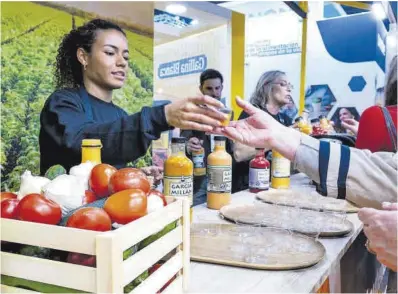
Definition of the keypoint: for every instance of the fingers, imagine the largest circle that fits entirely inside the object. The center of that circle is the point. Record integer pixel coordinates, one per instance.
(194, 141)
(200, 118)
(365, 215)
(389, 206)
(211, 112)
(246, 106)
(350, 121)
(206, 100)
(231, 133)
(190, 125)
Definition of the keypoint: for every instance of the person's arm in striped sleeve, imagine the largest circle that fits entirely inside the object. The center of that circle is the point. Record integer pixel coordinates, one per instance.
(365, 178)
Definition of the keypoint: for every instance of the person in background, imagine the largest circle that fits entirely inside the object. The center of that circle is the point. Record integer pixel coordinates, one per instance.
(375, 122)
(211, 84)
(272, 92)
(92, 61)
(364, 178)
(347, 122)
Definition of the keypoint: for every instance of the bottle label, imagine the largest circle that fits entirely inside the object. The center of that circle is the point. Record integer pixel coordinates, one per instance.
(259, 178)
(219, 179)
(198, 160)
(181, 186)
(280, 167)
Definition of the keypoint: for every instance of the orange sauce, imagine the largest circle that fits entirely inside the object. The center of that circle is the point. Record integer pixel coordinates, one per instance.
(91, 150)
(219, 175)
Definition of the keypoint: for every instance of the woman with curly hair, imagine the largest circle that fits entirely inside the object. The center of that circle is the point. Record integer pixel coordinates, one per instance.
(92, 61)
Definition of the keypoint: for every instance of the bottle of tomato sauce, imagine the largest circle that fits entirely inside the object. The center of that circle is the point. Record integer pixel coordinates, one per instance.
(259, 172)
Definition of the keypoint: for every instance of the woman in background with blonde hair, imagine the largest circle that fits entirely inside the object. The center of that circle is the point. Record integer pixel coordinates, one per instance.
(272, 92)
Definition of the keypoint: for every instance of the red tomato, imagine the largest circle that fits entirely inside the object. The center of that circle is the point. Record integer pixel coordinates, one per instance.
(126, 206)
(129, 178)
(82, 259)
(89, 197)
(8, 195)
(90, 218)
(37, 208)
(158, 194)
(154, 269)
(9, 208)
(99, 179)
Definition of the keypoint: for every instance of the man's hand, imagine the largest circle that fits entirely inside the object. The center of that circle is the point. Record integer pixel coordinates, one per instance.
(194, 144)
(262, 130)
(195, 113)
(380, 227)
(154, 174)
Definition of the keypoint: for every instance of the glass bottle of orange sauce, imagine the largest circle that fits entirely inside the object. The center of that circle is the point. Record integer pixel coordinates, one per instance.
(178, 172)
(259, 172)
(219, 175)
(280, 171)
(91, 150)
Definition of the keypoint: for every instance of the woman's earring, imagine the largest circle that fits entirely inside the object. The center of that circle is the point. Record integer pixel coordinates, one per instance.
(85, 66)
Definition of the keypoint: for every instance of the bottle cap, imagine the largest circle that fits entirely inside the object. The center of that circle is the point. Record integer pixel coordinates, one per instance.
(298, 119)
(178, 140)
(91, 143)
(220, 138)
(314, 120)
(322, 116)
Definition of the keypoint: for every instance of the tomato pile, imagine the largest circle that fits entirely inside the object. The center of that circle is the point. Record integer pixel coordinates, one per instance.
(129, 197)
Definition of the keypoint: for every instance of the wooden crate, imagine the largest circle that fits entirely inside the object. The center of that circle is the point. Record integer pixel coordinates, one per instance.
(111, 273)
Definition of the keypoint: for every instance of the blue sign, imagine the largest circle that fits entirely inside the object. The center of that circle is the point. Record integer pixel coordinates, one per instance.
(182, 67)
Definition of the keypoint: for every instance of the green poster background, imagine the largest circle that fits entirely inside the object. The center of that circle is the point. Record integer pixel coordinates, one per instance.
(30, 35)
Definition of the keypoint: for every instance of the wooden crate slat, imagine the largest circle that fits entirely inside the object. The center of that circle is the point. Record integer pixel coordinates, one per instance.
(136, 231)
(54, 237)
(148, 256)
(175, 287)
(161, 276)
(48, 271)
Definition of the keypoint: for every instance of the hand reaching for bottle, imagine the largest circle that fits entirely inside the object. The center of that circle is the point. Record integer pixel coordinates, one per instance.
(351, 124)
(195, 113)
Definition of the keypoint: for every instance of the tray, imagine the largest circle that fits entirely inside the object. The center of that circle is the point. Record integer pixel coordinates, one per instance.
(253, 247)
(291, 218)
(311, 200)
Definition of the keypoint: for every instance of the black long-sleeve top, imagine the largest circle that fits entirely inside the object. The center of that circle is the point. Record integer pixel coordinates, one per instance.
(65, 123)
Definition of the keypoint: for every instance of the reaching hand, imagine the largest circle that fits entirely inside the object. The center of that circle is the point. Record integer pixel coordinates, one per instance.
(154, 173)
(350, 124)
(194, 144)
(261, 130)
(195, 113)
(380, 227)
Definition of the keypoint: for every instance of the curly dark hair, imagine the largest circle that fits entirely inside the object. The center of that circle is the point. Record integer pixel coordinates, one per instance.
(68, 69)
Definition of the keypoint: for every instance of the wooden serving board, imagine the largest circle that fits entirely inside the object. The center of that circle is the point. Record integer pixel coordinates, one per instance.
(291, 218)
(311, 200)
(254, 247)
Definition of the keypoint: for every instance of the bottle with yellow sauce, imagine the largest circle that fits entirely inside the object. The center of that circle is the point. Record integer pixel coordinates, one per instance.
(178, 172)
(219, 175)
(91, 150)
(280, 171)
(198, 158)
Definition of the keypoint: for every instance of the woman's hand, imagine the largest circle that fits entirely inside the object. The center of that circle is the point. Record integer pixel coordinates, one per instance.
(262, 130)
(351, 125)
(195, 113)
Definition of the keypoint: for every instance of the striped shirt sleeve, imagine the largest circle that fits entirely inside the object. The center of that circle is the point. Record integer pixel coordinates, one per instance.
(365, 178)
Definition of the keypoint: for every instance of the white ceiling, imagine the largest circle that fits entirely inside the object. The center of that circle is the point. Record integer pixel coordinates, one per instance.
(208, 15)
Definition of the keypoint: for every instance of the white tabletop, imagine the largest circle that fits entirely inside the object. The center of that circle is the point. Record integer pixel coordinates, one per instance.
(212, 278)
